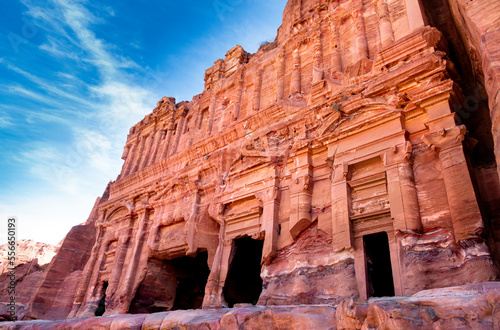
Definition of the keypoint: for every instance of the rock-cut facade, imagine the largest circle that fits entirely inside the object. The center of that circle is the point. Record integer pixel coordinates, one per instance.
(355, 155)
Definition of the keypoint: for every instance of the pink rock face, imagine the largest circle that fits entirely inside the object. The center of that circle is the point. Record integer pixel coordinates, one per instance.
(28, 250)
(32, 259)
(340, 162)
(471, 306)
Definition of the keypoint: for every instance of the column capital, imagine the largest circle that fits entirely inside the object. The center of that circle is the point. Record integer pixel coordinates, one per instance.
(445, 138)
(142, 207)
(398, 154)
(268, 195)
(301, 183)
(340, 172)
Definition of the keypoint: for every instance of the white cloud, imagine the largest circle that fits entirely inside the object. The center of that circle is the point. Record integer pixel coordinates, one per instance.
(50, 87)
(75, 171)
(96, 115)
(5, 121)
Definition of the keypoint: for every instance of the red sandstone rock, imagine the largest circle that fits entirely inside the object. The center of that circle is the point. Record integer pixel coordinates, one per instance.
(336, 162)
(28, 250)
(55, 292)
(471, 306)
(32, 259)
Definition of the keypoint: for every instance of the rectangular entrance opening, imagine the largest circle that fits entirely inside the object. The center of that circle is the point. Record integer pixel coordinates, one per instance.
(243, 283)
(177, 284)
(192, 278)
(379, 279)
(101, 307)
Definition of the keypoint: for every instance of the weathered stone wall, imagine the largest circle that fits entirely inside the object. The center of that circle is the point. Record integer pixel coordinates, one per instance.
(341, 132)
(471, 306)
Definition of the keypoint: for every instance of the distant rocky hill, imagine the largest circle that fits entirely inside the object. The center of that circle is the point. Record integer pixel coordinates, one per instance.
(32, 259)
(28, 250)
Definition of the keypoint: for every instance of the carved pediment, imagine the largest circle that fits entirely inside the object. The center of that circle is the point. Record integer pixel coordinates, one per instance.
(330, 124)
(118, 213)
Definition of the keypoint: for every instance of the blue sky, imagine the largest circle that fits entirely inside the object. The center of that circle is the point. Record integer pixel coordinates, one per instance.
(75, 75)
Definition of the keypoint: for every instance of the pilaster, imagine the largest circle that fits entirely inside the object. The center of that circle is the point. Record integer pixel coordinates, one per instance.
(301, 191)
(403, 197)
(464, 210)
(270, 219)
(295, 85)
(341, 224)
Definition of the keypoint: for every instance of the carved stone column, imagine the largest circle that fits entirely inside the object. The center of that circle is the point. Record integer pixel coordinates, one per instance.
(336, 57)
(296, 75)
(125, 154)
(179, 131)
(156, 146)
(318, 60)
(385, 25)
(361, 42)
(159, 207)
(168, 138)
(131, 155)
(93, 294)
(257, 89)
(145, 157)
(239, 95)
(300, 192)
(401, 188)
(270, 220)
(215, 283)
(341, 224)
(415, 14)
(116, 273)
(465, 214)
(140, 152)
(212, 109)
(280, 88)
(300, 204)
(191, 222)
(137, 262)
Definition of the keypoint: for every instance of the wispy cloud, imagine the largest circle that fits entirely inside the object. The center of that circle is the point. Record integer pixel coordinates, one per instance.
(73, 96)
(115, 94)
(5, 121)
(93, 96)
(50, 87)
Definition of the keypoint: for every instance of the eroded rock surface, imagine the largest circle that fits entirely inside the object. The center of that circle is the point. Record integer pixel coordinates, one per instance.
(466, 307)
(32, 258)
(351, 158)
(28, 250)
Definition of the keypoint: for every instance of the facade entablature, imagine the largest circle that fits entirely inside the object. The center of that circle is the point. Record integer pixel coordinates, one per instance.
(345, 152)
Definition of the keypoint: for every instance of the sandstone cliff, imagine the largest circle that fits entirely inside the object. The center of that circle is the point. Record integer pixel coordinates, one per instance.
(27, 250)
(32, 259)
(353, 158)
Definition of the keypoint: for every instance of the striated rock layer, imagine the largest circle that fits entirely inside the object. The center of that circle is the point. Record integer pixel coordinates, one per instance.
(340, 160)
(31, 260)
(467, 307)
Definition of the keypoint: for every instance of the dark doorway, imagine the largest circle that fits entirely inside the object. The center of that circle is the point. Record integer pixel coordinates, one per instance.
(101, 307)
(192, 276)
(378, 265)
(243, 282)
(176, 284)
